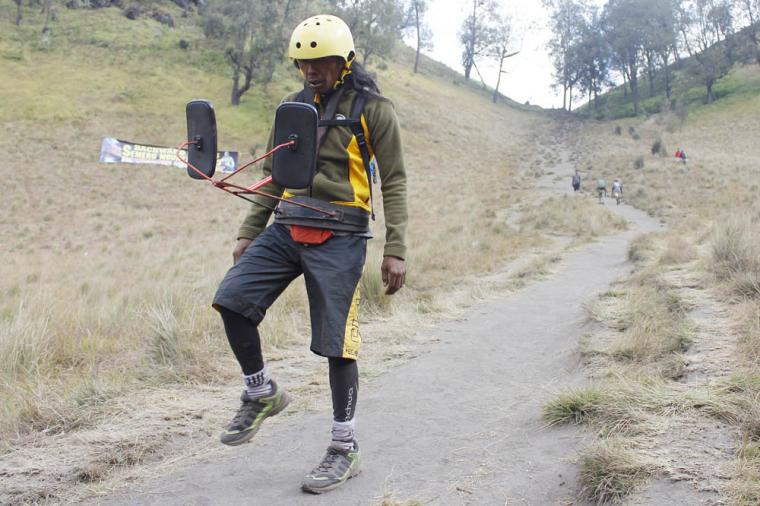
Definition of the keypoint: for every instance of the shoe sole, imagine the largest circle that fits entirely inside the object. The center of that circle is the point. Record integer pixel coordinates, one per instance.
(248, 435)
(321, 490)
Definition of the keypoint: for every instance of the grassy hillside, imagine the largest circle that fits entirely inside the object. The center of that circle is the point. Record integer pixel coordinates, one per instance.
(687, 91)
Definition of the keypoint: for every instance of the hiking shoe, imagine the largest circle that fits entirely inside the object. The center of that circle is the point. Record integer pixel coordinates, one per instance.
(336, 467)
(252, 413)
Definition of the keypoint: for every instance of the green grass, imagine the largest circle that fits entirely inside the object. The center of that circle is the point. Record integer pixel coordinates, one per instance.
(102, 70)
(741, 82)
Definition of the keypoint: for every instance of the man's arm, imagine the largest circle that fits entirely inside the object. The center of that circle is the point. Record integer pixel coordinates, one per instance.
(385, 139)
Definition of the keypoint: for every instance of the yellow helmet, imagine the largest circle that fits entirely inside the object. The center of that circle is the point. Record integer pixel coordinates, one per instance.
(321, 36)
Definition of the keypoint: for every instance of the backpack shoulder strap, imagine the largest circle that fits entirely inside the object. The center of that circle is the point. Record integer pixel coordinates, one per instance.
(361, 139)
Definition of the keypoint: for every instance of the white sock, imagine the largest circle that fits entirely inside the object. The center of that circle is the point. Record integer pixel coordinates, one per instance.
(258, 384)
(343, 435)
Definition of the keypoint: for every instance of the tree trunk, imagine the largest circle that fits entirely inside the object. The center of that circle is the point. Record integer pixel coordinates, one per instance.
(570, 101)
(47, 9)
(635, 92)
(710, 96)
(480, 76)
(235, 96)
(18, 12)
(417, 24)
(625, 86)
(498, 79)
(564, 96)
(650, 56)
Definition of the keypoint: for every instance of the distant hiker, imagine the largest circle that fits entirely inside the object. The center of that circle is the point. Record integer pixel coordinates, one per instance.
(682, 156)
(617, 190)
(329, 250)
(576, 181)
(678, 154)
(601, 189)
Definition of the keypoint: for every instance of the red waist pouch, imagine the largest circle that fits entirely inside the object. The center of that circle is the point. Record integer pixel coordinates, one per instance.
(309, 235)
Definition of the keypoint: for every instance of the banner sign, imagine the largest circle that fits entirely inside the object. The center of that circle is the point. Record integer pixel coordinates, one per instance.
(118, 151)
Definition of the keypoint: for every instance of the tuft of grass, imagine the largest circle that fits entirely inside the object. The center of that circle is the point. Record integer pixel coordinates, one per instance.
(572, 407)
(642, 248)
(649, 319)
(736, 254)
(678, 250)
(610, 472)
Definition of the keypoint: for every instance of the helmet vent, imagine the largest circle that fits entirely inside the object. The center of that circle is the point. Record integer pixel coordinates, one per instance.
(317, 23)
(313, 44)
(298, 45)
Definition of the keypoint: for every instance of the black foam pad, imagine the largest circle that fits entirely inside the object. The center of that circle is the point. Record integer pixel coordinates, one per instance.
(295, 167)
(201, 127)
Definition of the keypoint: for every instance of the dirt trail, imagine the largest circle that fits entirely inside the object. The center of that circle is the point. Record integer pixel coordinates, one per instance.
(458, 425)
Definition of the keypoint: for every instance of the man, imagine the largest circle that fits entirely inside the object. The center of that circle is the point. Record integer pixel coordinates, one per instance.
(576, 181)
(601, 189)
(617, 190)
(331, 257)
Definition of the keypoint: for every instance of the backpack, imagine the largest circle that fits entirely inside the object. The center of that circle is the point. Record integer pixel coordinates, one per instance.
(353, 121)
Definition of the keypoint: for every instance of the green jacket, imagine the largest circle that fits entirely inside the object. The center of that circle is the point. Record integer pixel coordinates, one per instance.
(341, 177)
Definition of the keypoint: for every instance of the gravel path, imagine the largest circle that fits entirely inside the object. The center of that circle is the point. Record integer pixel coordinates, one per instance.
(459, 424)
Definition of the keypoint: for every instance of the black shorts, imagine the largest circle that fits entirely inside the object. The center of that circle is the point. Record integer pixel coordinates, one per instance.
(332, 271)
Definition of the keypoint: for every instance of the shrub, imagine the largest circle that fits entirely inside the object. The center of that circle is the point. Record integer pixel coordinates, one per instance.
(213, 26)
(638, 163)
(618, 130)
(658, 148)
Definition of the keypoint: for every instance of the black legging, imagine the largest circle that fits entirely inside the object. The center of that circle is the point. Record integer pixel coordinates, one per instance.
(246, 345)
(344, 384)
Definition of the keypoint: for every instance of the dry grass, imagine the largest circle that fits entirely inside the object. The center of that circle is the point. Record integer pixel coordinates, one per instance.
(647, 317)
(711, 198)
(572, 215)
(610, 471)
(736, 253)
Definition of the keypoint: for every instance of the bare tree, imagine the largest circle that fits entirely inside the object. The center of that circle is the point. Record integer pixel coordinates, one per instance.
(476, 34)
(502, 47)
(415, 20)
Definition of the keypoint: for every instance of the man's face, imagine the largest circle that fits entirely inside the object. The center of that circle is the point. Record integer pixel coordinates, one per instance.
(321, 73)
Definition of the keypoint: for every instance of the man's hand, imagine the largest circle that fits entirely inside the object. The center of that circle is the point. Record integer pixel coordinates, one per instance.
(240, 248)
(394, 274)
